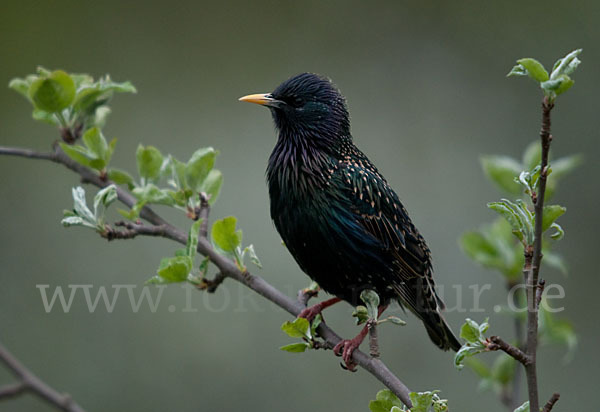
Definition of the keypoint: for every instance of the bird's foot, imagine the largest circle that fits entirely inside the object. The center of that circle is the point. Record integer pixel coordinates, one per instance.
(312, 311)
(346, 347)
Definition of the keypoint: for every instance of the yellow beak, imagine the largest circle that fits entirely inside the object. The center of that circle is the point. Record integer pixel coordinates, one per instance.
(264, 99)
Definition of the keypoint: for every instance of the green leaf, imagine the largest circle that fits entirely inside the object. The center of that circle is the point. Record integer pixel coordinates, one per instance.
(102, 200)
(523, 408)
(99, 118)
(212, 185)
(85, 98)
(75, 221)
(46, 117)
(192, 241)
(91, 96)
(566, 65)
(96, 143)
(175, 269)
(253, 257)
(198, 167)
(361, 314)
(80, 205)
(371, 300)
(551, 213)
(565, 84)
(149, 160)
(559, 234)
(421, 401)
(519, 217)
(224, 235)
(315, 324)
(550, 86)
(384, 401)
(177, 172)
(396, 320)
(54, 92)
(296, 347)
(377, 406)
(470, 331)
(151, 193)
(106, 84)
(81, 79)
(466, 350)
(78, 153)
(21, 86)
(502, 171)
(179, 197)
(299, 328)
(535, 70)
(510, 215)
(121, 177)
(517, 70)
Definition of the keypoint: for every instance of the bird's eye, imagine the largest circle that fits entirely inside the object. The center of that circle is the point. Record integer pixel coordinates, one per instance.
(296, 101)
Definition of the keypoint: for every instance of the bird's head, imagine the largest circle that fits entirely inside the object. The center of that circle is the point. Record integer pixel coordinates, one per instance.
(308, 106)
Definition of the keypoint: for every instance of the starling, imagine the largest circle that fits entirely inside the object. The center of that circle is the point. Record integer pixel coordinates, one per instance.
(337, 215)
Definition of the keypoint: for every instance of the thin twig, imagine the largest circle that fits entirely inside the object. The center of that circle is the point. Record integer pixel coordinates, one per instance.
(540, 292)
(373, 340)
(514, 399)
(203, 214)
(211, 285)
(30, 382)
(227, 268)
(132, 230)
(497, 343)
(550, 404)
(304, 295)
(13, 389)
(533, 263)
(30, 154)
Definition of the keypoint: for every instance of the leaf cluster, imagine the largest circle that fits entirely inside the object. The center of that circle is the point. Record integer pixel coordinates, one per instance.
(555, 83)
(301, 328)
(184, 181)
(81, 215)
(75, 102)
(430, 401)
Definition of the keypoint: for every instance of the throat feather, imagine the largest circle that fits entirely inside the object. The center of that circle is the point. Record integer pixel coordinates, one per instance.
(297, 169)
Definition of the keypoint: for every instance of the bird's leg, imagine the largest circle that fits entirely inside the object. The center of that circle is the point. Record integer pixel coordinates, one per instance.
(346, 347)
(312, 311)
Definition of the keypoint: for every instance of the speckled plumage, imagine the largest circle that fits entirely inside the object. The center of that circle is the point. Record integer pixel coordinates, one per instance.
(338, 216)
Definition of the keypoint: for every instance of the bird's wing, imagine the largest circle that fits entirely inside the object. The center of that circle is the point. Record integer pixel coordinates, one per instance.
(377, 208)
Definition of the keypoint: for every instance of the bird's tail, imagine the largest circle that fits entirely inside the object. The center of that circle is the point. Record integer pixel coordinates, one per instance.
(440, 333)
(429, 309)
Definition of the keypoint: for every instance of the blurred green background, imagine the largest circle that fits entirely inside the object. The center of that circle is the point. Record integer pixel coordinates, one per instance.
(426, 88)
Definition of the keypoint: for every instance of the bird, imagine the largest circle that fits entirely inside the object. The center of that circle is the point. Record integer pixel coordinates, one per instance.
(338, 216)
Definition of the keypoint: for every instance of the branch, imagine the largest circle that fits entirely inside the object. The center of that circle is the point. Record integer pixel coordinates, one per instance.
(533, 259)
(203, 214)
(497, 343)
(227, 267)
(512, 401)
(373, 339)
(550, 404)
(30, 382)
(132, 230)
